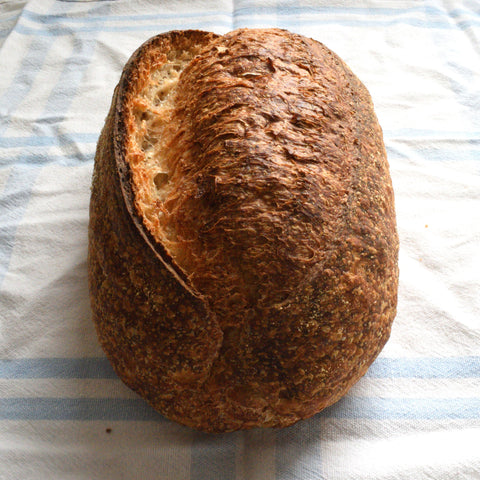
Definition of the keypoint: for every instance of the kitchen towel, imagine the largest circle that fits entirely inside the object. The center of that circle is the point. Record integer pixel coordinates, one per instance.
(63, 412)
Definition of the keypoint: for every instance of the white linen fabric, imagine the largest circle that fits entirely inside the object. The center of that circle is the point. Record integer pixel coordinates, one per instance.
(63, 412)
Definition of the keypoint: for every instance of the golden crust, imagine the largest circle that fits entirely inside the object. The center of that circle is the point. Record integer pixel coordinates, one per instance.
(260, 285)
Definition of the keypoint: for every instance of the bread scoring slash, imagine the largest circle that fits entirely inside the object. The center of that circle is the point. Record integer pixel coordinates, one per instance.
(243, 251)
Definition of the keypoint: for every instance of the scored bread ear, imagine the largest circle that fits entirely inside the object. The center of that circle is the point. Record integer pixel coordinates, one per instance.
(154, 54)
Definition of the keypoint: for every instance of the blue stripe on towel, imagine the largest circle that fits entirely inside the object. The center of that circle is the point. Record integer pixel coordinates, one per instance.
(77, 409)
(405, 408)
(280, 16)
(56, 368)
(455, 367)
(286, 9)
(137, 410)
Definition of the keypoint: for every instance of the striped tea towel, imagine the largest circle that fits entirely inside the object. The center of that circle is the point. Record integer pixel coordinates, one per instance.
(63, 412)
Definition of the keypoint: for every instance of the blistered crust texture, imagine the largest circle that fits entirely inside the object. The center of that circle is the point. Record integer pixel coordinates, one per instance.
(242, 242)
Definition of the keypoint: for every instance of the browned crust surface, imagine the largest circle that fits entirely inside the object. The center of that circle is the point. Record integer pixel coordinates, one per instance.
(282, 287)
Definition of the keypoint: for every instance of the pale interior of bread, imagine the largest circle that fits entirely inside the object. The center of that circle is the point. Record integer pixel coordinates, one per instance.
(152, 112)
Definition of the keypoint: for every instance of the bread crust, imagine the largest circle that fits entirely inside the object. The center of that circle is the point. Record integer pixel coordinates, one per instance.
(285, 287)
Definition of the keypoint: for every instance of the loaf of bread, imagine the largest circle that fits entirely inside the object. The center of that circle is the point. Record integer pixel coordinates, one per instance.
(242, 239)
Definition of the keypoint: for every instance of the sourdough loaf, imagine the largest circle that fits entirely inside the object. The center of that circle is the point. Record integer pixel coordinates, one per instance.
(242, 238)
